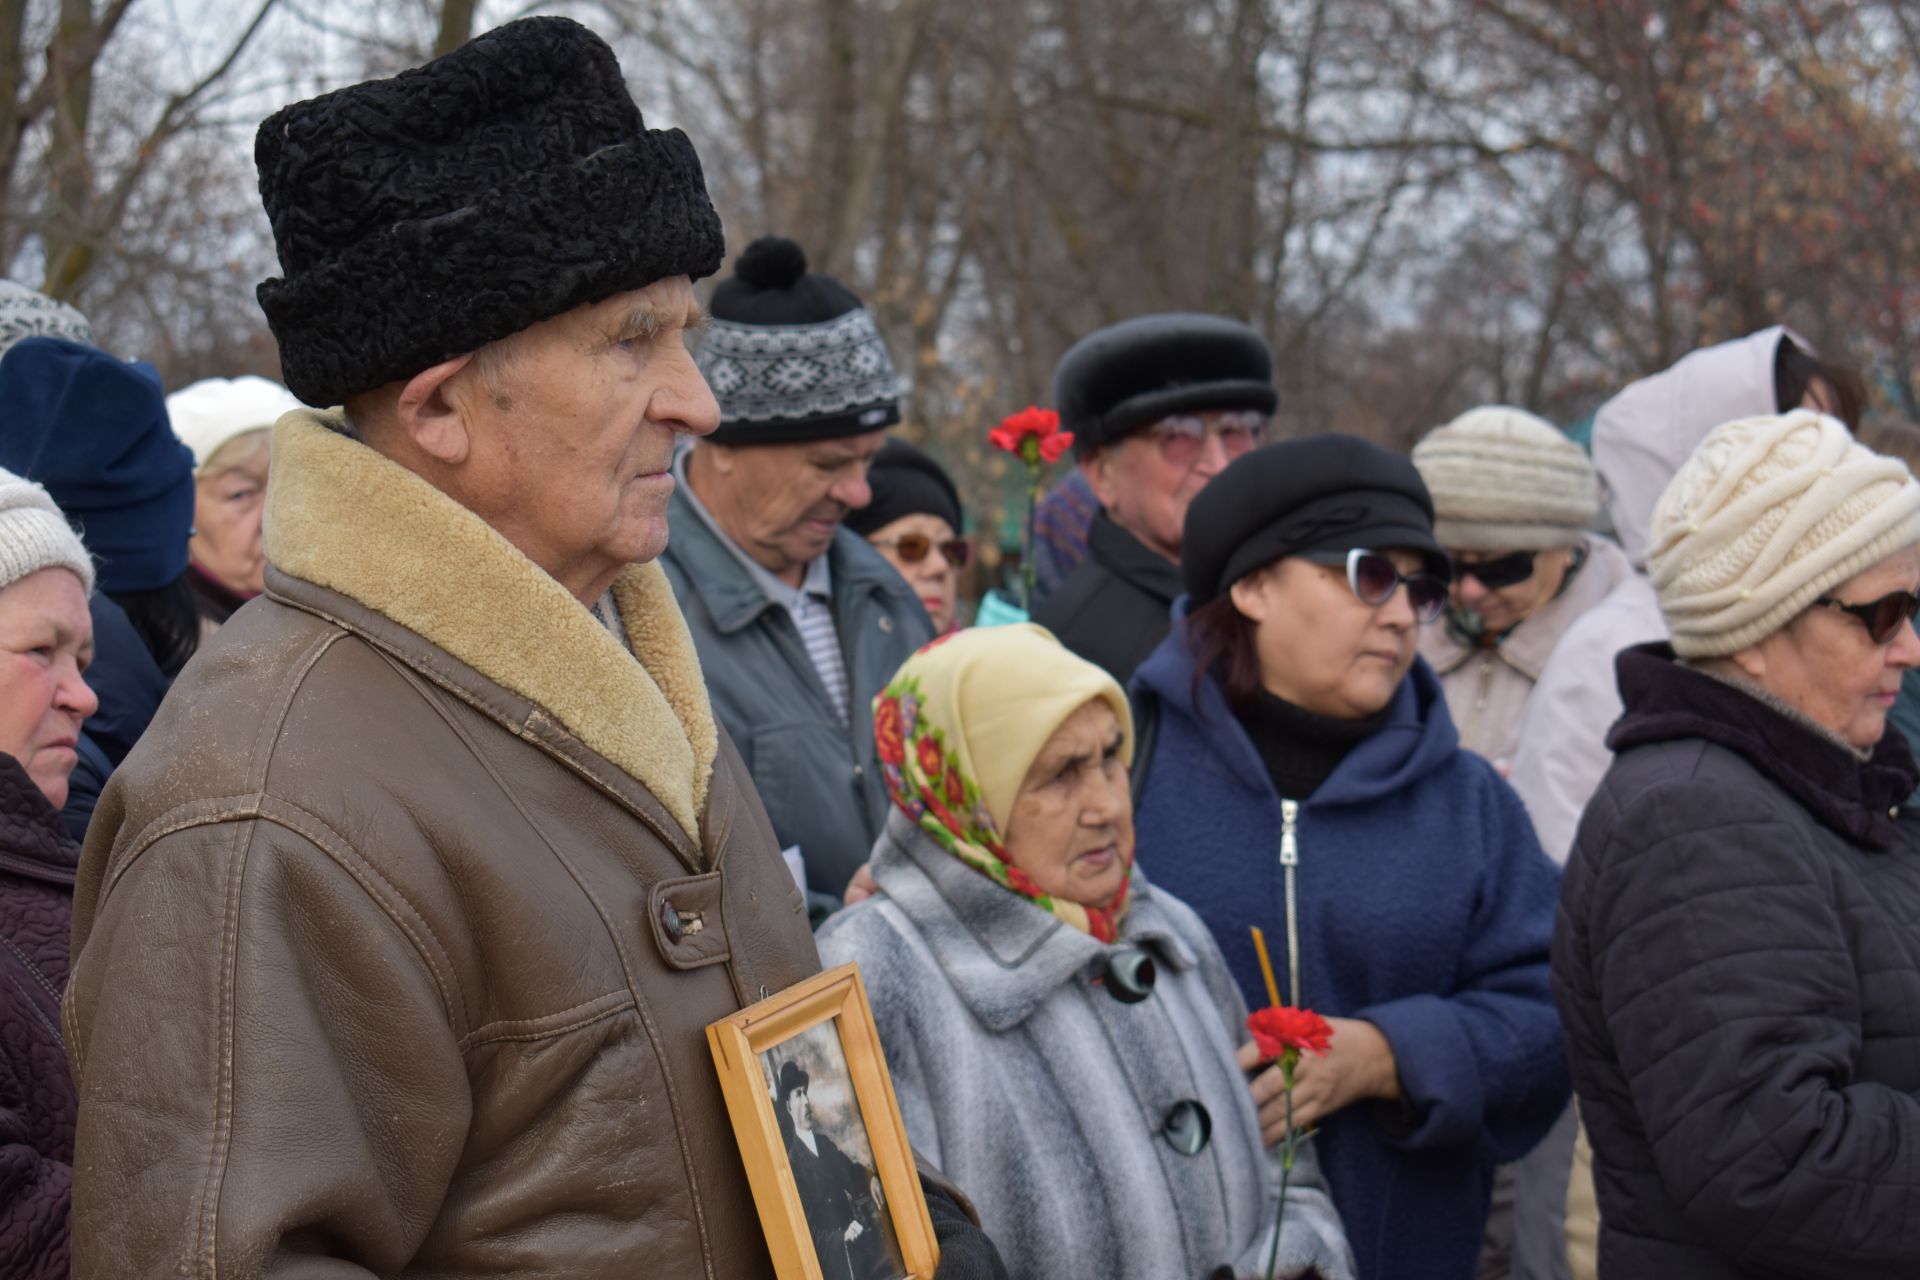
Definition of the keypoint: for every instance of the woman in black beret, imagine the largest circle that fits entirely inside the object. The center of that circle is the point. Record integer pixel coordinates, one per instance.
(1303, 776)
(914, 520)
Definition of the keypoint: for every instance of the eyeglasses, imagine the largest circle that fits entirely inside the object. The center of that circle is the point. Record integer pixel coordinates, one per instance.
(912, 548)
(1374, 578)
(1504, 571)
(1882, 618)
(1182, 437)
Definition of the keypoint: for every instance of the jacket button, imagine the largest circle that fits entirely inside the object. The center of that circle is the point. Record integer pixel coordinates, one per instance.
(886, 623)
(1187, 1128)
(670, 921)
(859, 772)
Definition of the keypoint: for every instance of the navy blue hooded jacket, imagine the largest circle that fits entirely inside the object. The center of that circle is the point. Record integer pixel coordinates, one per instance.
(1425, 908)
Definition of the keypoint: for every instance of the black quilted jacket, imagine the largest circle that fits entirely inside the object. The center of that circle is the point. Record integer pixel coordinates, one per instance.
(37, 1100)
(1737, 962)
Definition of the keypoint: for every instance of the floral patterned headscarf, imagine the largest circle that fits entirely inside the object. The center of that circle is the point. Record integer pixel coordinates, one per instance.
(959, 726)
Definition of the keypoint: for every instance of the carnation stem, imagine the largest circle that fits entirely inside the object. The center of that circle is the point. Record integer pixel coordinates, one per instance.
(1026, 553)
(1286, 1161)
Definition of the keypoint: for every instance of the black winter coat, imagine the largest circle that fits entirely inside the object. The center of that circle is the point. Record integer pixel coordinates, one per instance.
(1737, 962)
(1116, 607)
(38, 1104)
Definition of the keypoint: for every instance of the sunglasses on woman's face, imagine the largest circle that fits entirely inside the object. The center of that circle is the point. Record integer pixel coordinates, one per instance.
(1374, 578)
(912, 548)
(1882, 618)
(1503, 571)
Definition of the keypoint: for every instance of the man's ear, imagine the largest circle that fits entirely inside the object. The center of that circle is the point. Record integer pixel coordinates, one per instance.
(431, 411)
(1094, 467)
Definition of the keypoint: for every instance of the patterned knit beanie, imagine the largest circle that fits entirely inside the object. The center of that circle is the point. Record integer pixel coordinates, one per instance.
(28, 313)
(35, 536)
(1504, 480)
(793, 356)
(1767, 515)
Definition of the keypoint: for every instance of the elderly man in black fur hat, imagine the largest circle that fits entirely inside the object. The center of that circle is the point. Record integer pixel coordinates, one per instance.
(397, 935)
(1158, 406)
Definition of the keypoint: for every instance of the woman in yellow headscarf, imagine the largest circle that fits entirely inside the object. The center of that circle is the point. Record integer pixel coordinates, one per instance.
(1061, 1035)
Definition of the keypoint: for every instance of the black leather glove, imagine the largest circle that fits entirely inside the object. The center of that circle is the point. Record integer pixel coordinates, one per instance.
(965, 1251)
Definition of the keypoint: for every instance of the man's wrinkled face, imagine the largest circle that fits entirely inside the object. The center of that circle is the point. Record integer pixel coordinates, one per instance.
(783, 502)
(573, 432)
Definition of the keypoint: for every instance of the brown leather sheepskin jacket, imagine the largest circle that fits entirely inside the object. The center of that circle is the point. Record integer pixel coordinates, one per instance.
(397, 933)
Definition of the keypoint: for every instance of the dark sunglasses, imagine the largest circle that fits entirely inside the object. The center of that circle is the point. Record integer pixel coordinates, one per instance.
(1882, 618)
(1505, 571)
(912, 548)
(1374, 578)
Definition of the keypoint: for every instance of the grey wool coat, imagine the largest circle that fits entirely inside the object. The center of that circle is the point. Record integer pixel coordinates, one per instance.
(1044, 1098)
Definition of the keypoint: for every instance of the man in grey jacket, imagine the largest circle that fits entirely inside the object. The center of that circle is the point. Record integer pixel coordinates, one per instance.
(798, 622)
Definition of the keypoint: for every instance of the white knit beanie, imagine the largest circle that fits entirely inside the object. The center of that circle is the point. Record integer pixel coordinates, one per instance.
(211, 412)
(34, 535)
(1767, 515)
(1504, 480)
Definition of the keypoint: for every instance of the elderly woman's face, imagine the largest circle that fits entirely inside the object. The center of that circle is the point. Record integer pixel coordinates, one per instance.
(1322, 647)
(933, 577)
(1071, 828)
(1502, 608)
(573, 446)
(228, 502)
(46, 642)
(1826, 666)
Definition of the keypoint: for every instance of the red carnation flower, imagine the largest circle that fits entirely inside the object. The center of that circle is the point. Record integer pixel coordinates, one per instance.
(1280, 1028)
(1041, 426)
(888, 738)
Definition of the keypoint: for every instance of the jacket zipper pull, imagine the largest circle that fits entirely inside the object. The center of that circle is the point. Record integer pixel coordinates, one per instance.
(1289, 842)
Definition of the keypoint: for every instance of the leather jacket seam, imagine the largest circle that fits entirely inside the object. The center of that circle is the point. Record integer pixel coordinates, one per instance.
(348, 859)
(206, 1239)
(595, 1010)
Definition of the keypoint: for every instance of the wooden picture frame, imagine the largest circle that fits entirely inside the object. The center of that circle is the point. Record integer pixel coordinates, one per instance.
(785, 1046)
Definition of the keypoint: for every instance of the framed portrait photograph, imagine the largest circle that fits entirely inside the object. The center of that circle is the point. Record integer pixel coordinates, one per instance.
(821, 1137)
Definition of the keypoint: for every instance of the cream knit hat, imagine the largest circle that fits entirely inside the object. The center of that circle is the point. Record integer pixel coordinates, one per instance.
(209, 413)
(1504, 480)
(34, 535)
(1766, 516)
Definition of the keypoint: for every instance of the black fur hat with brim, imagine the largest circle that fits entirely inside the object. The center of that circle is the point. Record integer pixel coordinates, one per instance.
(422, 217)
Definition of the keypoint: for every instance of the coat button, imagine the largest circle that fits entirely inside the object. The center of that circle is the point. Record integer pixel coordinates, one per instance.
(670, 921)
(886, 623)
(1130, 975)
(1187, 1128)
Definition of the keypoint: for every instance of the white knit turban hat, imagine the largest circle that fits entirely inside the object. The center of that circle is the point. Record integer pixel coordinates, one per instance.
(1504, 480)
(1768, 515)
(34, 535)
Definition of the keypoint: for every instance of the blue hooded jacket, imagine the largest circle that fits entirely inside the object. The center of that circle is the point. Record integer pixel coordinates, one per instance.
(1425, 907)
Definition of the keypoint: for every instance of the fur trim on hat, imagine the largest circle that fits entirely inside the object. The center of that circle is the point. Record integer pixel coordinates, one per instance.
(1768, 515)
(422, 217)
(1504, 480)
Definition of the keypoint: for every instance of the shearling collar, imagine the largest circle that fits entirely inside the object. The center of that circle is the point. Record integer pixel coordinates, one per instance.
(1004, 955)
(1666, 700)
(342, 517)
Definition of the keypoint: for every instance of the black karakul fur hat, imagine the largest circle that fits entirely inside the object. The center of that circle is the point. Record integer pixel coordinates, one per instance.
(422, 217)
